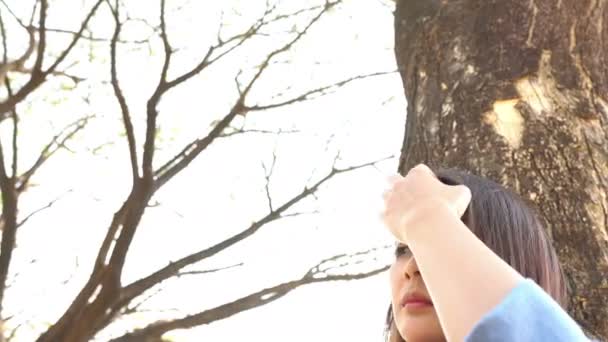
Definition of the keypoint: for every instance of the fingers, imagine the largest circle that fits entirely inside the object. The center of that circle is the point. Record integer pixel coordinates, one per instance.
(459, 197)
(463, 200)
(422, 168)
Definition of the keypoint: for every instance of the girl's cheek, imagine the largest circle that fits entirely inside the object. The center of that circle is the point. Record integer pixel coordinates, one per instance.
(394, 274)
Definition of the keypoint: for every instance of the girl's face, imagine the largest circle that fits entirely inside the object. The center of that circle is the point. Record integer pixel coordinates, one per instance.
(414, 315)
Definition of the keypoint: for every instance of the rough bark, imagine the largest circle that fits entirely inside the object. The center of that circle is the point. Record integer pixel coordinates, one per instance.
(517, 91)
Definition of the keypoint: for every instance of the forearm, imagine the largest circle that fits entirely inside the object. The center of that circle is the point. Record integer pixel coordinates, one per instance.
(463, 276)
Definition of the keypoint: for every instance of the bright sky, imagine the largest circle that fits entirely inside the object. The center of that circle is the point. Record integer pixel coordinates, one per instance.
(222, 192)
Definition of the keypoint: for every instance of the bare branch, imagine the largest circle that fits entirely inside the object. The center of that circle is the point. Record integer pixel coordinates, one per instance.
(14, 15)
(4, 46)
(151, 110)
(138, 287)
(192, 150)
(37, 76)
(51, 148)
(286, 47)
(124, 108)
(79, 35)
(240, 38)
(17, 64)
(302, 213)
(37, 211)
(267, 175)
(36, 73)
(13, 333)
(75, 79)
(166, 44)
(214, 270)
(135, 308)
(315, 93)
(33, 15)
(10, 199)
(237, 131)
(96, 39)
(9, 90)
(257, 299)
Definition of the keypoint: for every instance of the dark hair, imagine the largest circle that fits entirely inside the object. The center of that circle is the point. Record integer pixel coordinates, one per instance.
(510, 228)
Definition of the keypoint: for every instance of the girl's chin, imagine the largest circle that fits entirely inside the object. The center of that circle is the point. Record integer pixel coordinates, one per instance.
(422, 328)
(424, 337)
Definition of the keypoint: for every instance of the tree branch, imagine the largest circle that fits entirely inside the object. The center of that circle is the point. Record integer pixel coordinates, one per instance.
(286, 47)
(192, 150)
(51, 148)
(207, 60)
(124, 108)
(10, 199)
(257, 299)
(15, 16)
(17, 64)
(79, 35)
(37, 211)
(96, 39)
(213, 270)
(237, 131)
(151, 110)
(138, 287)
(37, 76)
(9, 91)
(37, 71)
(4, 46)
(315, 93)
(267, 175)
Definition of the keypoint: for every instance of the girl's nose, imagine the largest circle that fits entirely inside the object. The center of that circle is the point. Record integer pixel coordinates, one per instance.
(411, 269)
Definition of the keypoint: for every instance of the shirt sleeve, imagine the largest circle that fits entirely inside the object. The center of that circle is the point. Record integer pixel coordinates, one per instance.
(528, 313)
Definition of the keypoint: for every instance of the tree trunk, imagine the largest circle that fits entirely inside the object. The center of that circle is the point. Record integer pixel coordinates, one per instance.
(517, 91)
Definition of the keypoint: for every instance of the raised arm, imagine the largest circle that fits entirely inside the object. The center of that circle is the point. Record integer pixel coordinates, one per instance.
(466, 280)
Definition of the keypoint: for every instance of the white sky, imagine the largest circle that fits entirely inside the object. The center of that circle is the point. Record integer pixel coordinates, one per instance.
(222, 191)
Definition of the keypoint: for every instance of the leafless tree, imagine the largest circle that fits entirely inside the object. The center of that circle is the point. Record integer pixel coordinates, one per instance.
(104, 298)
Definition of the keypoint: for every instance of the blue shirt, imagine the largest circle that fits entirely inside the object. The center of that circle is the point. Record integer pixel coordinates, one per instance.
(528, 313)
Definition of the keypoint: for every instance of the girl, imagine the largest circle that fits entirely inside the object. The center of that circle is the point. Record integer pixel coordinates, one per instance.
(471, 270)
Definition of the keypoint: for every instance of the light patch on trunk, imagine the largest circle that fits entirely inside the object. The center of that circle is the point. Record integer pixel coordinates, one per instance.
(507, 121)
(533, 93)
(537, 91)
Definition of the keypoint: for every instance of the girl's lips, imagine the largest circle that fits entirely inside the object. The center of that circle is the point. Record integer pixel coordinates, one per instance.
(416, 300)
(414, 307)
(417, 304)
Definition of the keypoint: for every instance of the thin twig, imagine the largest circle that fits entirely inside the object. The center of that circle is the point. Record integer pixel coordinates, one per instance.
(238, 131)
(15, 16)
(37, 211)
(313, 94)
(96, 39)
(57, 142)
(267, 175)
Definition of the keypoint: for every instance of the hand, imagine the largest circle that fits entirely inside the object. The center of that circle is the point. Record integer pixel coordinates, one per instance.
(418, 196)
